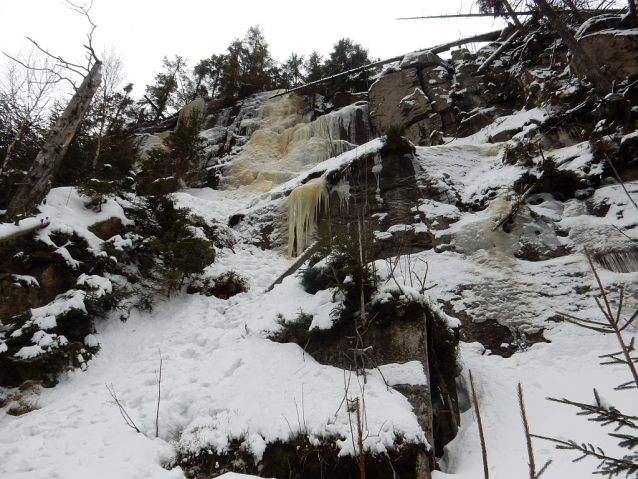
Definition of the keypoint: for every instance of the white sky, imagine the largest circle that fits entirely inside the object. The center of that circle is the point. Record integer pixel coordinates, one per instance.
(143, 31)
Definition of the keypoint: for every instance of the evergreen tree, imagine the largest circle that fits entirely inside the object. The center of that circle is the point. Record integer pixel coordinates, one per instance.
(231, 76)
(207, 74)
(248, 67)
(313, 67)
(345, 56)
(606, 414)
(165, 170)
(160, 95)
(168, 251)
(256, 63)
(292, 71)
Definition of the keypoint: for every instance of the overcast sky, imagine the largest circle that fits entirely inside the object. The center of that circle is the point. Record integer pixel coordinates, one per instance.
(144, 31)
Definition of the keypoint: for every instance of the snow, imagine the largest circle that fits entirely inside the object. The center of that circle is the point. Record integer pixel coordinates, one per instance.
(10, 229)
(223, 378)
(27, 280)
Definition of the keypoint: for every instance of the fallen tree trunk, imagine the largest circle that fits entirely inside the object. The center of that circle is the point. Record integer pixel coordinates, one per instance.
(498, 52)
(9, 232)
(602, 84)
(484, 37)
(37, 183)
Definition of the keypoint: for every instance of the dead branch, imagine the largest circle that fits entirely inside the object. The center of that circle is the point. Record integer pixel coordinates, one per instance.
(83, 10)
(478, 15)
(515, 207)
(159, 395)
(127, 418)
(614, 324)
(155, 107)
(620, 181)
(37, 183)
(528, 438)
(590, 70)
(362, 464)
(423, 288)
(460, 15)
(486, 471)
(91, 56)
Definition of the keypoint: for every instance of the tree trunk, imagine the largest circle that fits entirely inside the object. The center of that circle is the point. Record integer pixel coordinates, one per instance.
(602, 84)
(633, 14)
(15, 140)
(37, 184)
(512, 14)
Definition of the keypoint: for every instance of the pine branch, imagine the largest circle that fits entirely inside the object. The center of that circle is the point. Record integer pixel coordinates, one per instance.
(628, 442)
(603, 415)
(609, 465)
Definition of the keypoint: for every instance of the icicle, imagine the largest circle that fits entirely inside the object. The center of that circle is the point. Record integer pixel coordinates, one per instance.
(624, 262)
(376, 169)
(343, 190)
(304, 203)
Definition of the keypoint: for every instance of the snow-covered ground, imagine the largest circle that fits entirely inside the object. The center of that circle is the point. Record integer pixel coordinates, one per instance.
(223, 378)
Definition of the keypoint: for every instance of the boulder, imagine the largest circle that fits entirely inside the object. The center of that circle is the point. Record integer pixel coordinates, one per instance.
(18, 293)
(421, 60)
(388, 100)
(416, 106)
(420, 133)
(108, 228)
(437, 84)
(615, 51)
(197, 104)
(462, 54)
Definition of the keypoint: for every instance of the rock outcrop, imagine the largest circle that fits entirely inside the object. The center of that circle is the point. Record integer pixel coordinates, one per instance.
(397, 99)
(614, 51)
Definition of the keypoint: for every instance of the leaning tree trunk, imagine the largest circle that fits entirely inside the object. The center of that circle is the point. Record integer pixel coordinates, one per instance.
(602, 84)
(37, 183)
(512, 14)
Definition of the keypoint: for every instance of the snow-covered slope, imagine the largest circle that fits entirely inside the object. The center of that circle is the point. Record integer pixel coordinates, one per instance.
(222, 378)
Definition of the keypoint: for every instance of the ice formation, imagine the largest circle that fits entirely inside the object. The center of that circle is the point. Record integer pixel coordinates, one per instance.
(620, 262)
(283, 142)
(303, 204)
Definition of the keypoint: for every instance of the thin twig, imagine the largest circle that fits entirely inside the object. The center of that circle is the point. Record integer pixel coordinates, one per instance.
(612, 322)
(127, 418)
(486, 472)
(159, 395)
(528, 439)
(362, 465)
(620, 181)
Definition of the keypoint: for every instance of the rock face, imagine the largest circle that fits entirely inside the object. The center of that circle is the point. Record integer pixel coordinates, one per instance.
(432, 97)
(437, 84)
(383, 191)
(616, 52)
(397, 99)
(18, 293)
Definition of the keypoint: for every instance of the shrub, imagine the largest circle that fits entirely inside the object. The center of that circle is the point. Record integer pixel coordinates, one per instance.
(60, 338)
(113, 177)
(395, 142)
(295, 331)
(165, 247)
(224, 286)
